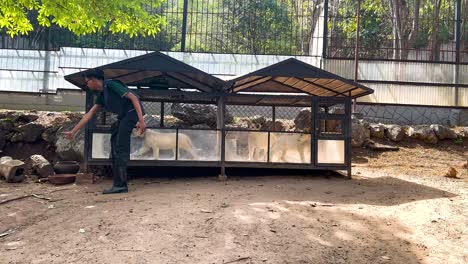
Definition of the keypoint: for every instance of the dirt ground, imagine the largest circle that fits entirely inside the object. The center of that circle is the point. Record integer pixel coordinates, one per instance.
(397, 209)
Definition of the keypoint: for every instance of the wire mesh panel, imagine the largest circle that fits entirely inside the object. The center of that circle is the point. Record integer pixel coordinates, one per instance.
(268, 133)
(190, 115)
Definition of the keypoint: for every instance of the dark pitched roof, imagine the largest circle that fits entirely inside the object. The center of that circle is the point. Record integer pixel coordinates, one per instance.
(295, 76)
(154, 69)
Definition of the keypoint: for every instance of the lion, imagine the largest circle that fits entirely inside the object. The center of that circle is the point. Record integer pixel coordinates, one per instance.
(156, 141)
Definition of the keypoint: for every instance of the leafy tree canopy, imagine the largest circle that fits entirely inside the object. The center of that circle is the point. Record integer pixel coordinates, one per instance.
(131, 17)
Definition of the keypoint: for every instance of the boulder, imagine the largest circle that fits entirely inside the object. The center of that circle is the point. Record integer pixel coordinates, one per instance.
(424, 133)
(443, 132)
(27, 118)
(50, 134)
(30, 133)
(360, 132)
(41, 166)
(69, 149)
(3, 139)
(463, 132)
(12, 170)
(6, 124)
(303, 120)
(194, 114)
(377, 130)
(394, 132)
(152, 121)
(279, 125)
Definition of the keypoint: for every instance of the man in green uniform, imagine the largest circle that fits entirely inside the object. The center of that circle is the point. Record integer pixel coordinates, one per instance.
(115, 97)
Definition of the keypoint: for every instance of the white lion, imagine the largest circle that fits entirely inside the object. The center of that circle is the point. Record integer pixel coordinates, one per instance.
(156, 141)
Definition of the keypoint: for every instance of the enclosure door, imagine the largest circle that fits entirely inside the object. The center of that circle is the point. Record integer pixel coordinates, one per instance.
(332, 131)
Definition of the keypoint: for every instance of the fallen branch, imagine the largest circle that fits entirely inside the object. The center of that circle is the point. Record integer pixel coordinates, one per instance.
(40, 197)
(25, 196)
(135, 250)
(235, 260)
(14, 199)
(8, 232)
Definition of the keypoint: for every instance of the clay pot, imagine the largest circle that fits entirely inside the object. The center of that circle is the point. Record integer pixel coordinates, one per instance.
(59, 179)
(66, 167)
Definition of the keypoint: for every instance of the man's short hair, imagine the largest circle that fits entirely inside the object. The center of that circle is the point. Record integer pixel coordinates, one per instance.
(94, 73)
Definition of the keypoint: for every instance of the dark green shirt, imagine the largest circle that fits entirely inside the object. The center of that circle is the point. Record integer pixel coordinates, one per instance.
(114, 87)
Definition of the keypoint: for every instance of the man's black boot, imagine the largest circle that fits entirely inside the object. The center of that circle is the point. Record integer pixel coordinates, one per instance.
(119, 182)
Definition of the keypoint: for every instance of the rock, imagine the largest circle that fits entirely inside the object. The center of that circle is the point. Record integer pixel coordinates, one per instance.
(30, 133)
(463, 133)
(6, 125)
(279, 125)
(380, 147)
(394, 132)
(152, 121)
(3, 139)
(303, 120)
(424, 133)
(201, 126)
(194, 114)
(27, 118)
(377, 130)
(69, 149)
(451, 173)
(50, 134)
(465, 165)
(12, 170)
(41, 166)
(257, 122)
(443, 132)
(360, 132)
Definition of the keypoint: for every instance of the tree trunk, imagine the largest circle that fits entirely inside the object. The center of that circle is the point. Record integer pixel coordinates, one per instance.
(315, 17)
(414, 30)
(435, 45)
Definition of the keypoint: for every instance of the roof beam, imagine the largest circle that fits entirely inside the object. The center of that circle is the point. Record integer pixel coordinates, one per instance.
(189, 81)
(249, 84)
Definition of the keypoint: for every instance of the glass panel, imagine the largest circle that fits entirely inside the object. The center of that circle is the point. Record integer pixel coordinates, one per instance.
(155, 144)
(246, 146)
(331, 127)
(199, 145)
(101, 146)
(290, 147)
(331, 151)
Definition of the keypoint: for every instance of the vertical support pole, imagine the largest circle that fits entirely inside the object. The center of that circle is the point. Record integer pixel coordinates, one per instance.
(87, 136)
(457, 50)
(356, 47)
(177, 145)
(325, 29)
(161, 121)
(272, 128)
(221, 127)
(347, 131)
(184, 26)
(47, 71)
(313, 131)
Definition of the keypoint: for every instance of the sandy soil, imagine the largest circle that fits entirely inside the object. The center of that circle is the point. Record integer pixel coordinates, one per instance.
(397, 209)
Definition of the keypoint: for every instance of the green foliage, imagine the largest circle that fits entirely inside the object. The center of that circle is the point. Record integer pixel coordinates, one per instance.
(130, 17)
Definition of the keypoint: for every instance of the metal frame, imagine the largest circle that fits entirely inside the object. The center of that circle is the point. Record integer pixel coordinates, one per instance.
(221, 101)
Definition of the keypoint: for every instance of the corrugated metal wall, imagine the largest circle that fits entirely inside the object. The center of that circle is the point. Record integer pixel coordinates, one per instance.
(40, 71)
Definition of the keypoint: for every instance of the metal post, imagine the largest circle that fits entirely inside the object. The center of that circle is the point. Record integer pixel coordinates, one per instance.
(221, 126)
(184, 26)
(457, 50)
(177, 145)
(356, 47)
(325, 29)
(161, 121)
(87, 136)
